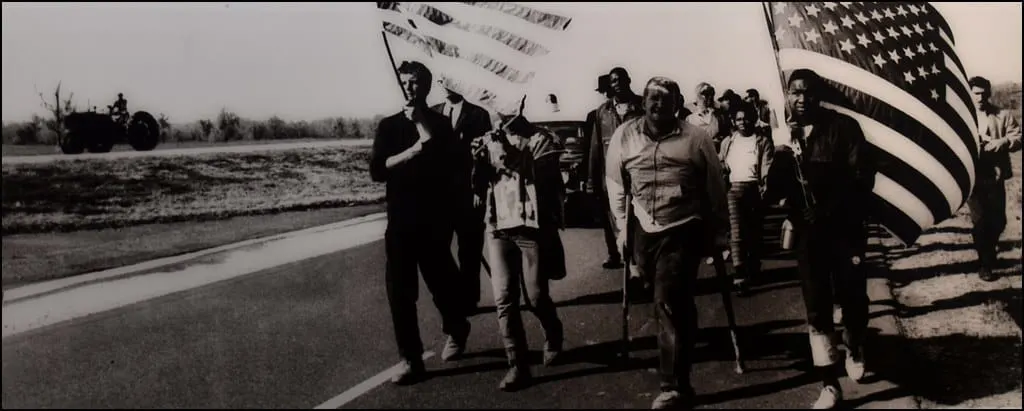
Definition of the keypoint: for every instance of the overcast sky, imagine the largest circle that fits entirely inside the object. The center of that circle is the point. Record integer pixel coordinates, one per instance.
(315, 60)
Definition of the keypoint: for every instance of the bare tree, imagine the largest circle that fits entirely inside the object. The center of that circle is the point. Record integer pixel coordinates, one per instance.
(59, 109)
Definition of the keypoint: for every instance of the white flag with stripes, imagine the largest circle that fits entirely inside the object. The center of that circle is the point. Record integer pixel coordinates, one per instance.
(899, 76)
(490, 52)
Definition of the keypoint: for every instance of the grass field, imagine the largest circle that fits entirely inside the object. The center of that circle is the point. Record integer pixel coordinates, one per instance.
(11, 150)
(76, 195)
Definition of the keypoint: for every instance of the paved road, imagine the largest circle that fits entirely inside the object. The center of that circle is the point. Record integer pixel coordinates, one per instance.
(299, 335)
(248, 148)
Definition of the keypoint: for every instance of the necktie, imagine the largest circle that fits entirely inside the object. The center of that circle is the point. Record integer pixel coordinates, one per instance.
(451, 114)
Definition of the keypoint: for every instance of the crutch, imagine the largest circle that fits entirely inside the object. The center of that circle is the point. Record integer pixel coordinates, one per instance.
(627, 259)
(719, 263)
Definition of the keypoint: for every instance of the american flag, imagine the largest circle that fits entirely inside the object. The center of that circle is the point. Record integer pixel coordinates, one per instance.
(898, 75)
(489, 52)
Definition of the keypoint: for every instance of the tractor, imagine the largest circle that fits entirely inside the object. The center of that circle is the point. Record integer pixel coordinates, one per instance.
(98, 132)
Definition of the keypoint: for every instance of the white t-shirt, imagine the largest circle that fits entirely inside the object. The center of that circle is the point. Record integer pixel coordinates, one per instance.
(742, 159)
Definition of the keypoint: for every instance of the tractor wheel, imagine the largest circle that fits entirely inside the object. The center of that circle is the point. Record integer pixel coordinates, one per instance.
(72, 143)
(143, 131)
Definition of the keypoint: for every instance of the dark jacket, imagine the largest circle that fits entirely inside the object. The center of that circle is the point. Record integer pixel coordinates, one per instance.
(606, 120)
(426, 188)
(839, 175)
(473, 122)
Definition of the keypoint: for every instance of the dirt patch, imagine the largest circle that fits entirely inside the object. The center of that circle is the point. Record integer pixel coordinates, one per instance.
(963, 334)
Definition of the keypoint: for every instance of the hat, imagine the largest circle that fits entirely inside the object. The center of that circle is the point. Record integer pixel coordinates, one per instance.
(704, 88)
(729, 95)
(604, 83)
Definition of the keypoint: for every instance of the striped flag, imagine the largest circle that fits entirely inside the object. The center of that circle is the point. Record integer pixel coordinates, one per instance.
(899, 76)
(490, 52)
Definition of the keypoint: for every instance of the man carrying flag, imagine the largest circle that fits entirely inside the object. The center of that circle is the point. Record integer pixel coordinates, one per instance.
(881, 126)
(828, 225)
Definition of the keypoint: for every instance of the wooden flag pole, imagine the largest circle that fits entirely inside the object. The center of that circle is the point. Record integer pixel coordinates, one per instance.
(391, 57)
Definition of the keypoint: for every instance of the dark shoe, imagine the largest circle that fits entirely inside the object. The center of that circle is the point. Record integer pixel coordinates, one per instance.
(640, 291)
(516, 379)
(409, 372)
(612, 264)
(986, 275)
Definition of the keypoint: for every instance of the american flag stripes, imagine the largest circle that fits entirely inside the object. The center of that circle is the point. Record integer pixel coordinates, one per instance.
(486, 51)
(899, 76)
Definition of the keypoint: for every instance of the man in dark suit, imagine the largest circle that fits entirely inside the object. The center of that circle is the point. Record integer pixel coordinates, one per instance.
(469, 122)
(416, 153)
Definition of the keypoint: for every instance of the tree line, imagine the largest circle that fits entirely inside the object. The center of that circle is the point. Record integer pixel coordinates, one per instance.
(228, 126)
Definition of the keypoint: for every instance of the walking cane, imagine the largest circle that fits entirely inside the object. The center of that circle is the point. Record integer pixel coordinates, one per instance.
(627, 259)
(730, 315)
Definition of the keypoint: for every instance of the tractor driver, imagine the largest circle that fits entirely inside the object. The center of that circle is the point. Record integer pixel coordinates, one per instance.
(120, 109)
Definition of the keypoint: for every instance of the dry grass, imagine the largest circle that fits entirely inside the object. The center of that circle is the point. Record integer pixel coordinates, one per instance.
(75, 195)
(11, 150)
(956, 321)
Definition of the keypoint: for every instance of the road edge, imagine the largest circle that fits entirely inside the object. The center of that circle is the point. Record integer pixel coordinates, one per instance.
(880, 292)
(30, 291)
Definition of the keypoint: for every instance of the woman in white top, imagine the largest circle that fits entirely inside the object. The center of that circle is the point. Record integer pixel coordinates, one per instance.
(746, 156)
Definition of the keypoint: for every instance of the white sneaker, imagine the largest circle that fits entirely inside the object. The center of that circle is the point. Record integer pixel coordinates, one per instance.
(854, 368)
(666, 400)
(829, 398)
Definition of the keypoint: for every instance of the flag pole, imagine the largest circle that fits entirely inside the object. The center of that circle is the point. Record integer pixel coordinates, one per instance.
(391, 57)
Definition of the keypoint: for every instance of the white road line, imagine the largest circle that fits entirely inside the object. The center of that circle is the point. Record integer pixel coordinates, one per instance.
(32, 290)
(363, 387)
(64, 305)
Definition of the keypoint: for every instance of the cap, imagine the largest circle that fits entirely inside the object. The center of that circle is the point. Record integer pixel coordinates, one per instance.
(729, 95)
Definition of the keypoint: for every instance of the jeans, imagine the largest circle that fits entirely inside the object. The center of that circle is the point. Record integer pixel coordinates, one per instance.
(988, 217)
(828, 274)
(426, 247)
(673, 257)
(515, 267)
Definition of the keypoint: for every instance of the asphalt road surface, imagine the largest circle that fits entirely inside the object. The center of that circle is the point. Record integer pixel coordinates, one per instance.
(247, 148)
(300, 335)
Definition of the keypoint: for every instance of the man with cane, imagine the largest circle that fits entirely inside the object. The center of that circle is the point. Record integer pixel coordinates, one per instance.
(668, 173)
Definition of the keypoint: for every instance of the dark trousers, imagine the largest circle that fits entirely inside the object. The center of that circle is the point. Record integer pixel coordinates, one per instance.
(746, 213)
(988, 217)
(469, 232)
(604, 217)
(426, 247)
(516, 268)
(827, 274)
(673, 258)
